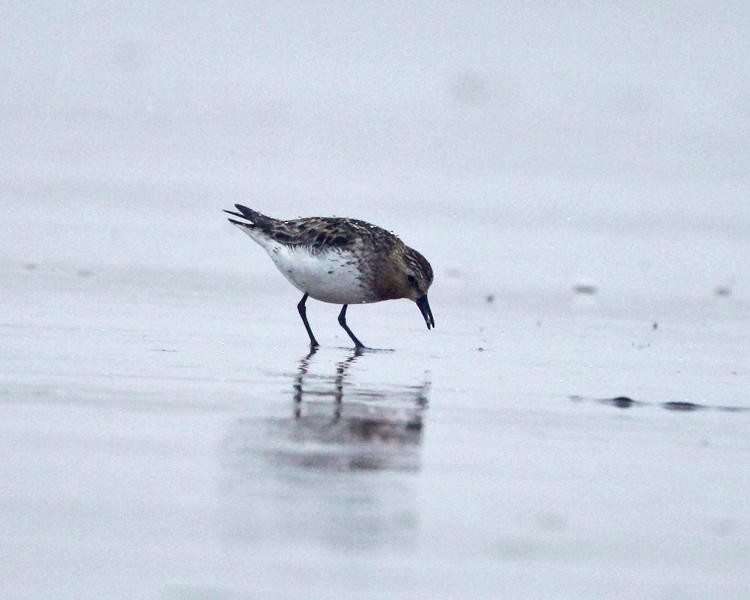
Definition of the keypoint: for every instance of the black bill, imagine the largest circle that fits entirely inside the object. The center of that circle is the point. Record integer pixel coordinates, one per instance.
(424, 308)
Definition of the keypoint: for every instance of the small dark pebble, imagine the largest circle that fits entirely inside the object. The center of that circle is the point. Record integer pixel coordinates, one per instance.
(490, 298)
(620, 402)
(654, 325)
(586, 289)
(723, 290)
(682, 406)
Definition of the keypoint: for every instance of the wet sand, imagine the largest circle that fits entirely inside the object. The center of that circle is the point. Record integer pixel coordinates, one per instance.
(576, 426)
(169, 435)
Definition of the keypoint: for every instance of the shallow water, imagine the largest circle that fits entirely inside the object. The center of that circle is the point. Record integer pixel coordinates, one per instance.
(158, 447)
(575, 426)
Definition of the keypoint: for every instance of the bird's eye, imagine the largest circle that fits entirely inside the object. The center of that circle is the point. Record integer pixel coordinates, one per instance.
(411, 279)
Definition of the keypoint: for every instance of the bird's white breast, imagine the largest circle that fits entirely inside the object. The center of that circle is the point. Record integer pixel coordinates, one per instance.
(332, 276)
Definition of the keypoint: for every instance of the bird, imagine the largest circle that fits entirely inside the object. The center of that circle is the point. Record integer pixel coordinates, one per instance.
(340, 261)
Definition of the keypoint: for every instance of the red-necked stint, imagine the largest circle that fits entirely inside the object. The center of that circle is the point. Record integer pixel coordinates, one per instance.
(341, 261)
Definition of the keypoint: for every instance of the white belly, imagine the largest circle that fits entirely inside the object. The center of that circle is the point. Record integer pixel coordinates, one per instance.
(329, 277)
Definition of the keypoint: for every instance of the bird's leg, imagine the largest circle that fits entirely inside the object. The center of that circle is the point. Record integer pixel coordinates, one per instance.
(303, 313)
(342, 321)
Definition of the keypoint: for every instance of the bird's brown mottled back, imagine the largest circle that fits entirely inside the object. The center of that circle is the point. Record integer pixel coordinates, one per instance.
(326, 233)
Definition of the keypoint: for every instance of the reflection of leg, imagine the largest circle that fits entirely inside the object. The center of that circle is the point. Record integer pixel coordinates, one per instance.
(338, 381)
(303, 313)
(304, 366)
(341, 369)
(342, 322)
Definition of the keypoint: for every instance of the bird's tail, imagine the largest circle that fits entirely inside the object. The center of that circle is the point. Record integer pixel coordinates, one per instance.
(252, 218)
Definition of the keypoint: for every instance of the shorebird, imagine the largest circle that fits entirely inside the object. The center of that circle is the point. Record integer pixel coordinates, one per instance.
(341, 261)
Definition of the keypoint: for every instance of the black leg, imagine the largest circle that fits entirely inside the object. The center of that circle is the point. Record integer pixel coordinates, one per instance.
(342, 322)
(303, 313)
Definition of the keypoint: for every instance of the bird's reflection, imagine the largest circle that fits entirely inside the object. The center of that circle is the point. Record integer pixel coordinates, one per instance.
(357, 426)
(336, 465)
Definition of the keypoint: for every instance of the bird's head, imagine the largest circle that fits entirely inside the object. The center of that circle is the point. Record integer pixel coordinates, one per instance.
(409, 275)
